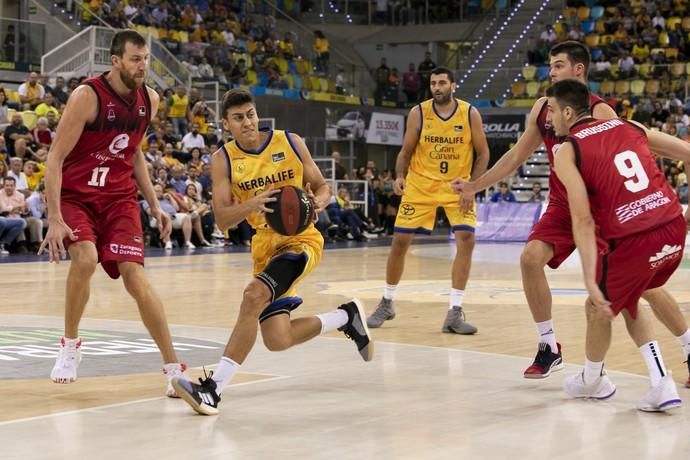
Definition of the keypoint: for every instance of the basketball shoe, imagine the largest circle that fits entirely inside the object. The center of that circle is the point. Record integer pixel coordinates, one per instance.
(455, 323)
(545, 362)
(67, 362)
(602, 388)
(356, 329)
(172, 370)
(384, 312)
(662, 397)
(202, 396)
(687, 384)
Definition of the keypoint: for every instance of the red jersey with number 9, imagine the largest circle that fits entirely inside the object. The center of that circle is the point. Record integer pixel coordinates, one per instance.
(101, 165)
(628, 194)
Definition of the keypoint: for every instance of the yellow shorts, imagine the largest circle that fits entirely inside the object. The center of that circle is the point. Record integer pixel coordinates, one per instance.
(268, 246)
(417, 211)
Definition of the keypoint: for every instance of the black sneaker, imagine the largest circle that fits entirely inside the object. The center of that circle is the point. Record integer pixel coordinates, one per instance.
(545, 362)
(356, 329)
(202, 397)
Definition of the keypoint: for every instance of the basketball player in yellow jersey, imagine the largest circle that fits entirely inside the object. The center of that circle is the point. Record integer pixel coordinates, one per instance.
(444, 140)
(246, 175)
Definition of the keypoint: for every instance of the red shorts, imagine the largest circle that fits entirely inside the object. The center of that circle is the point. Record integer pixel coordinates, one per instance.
(556, 229)
(640, 262)
(114, 227)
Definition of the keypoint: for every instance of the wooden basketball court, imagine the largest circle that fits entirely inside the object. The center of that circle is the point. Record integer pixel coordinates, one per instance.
(425, 395)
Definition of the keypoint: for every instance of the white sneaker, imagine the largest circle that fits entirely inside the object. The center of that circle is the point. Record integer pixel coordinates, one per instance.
(168, 245)
(172, 370)
(602, 388)
(662, 397)
(189, 245)
(67, 362)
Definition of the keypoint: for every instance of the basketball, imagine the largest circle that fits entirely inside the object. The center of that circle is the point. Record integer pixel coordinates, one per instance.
(292, 211)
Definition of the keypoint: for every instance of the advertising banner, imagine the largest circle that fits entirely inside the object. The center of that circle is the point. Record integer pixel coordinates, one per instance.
(386, 128)
(506, 221)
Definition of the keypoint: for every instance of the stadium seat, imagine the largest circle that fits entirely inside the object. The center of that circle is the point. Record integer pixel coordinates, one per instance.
(592, 40)
(672, 21)
(687, 68)
(518, 88)
(600, 26)
(596, 53)
(622, 87)
(290, 80)
(331, 87)
(529, 72)
(606, 39)
(282, 65)
(297, 81)
(542, 72)
(645, 70)
(252, 78)
(671, 53)
(583, 13)
(607, 87)
(315, 83)
(685, 23)
(292, 67)
(323, 83)
(306, 83)
(594, 86)
(30, 117)
(587, 27)
(567, 12)
(597, 12)
(677, 69)
(663, 39)
(637, 87)
(263, 78)
(652, 87)
(533, 89)
(558, 27)
(613, 71)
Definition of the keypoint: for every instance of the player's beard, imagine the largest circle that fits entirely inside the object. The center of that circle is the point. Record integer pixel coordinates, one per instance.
(130, 81)
(443, 98)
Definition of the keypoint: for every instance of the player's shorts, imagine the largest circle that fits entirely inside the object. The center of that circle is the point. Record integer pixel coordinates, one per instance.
(556, 229)
(281, 262)
(417, 211)
(640, 262)
(114, 227)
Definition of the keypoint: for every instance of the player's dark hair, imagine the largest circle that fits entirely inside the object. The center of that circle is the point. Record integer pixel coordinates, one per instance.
(571, 93)
(236, 97)
(121, 38)
(577, 53)
(444, 71)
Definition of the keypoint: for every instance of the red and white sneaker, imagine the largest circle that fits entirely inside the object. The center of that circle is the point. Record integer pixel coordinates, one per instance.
(67, 362)
(172, 370)
(545, 362)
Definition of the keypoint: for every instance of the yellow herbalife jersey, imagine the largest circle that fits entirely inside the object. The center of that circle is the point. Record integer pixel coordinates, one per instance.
(444, 150)
(251, 172)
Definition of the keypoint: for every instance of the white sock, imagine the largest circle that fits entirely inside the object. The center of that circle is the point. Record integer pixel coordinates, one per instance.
(685, 342)
(224, 372)
(456, 298)
(593, 370)
(389, 291)
(71, 343)
(655, 363)
(547, 335)
(332, 320)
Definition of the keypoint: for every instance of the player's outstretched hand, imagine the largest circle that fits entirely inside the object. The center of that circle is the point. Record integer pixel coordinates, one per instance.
(318, 204)
(54, 241)
(399, 186)
(164, 223)
(258, 203)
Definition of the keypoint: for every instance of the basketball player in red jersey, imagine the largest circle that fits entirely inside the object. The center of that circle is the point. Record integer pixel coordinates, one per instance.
(551, 240)
(613, 182)
(92, 173)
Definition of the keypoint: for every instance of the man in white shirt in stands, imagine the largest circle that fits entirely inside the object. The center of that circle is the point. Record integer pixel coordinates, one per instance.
(16, 167)
(193, 139)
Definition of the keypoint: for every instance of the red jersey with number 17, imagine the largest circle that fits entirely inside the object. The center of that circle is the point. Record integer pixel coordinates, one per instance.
(628, 194)
(557, 195)
(101, 165)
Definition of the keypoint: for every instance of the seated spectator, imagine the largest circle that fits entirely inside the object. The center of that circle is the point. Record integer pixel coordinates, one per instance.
(13, 209)
(199, 212)
(31, 92)
(4, 110)
(180, 220)
(536, 196)
(161, 178)
(626, 66)
(178, 180)
(193, 139)
(341, 213)
(47, 105)
(34, 173)
(640, 50)
(192, 179)
(18, 137)
(238, 76)
(16, 172)
(503, 194)
(37, 208)
(169, 156)
(42, 135)
(602, 69)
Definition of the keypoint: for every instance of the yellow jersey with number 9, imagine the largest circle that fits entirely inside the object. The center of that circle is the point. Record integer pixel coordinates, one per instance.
(444, 150)
(275, 163)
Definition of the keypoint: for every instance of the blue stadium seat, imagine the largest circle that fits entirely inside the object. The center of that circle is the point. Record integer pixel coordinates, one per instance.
(588, 26)
(542, 72)
(292, 67)
(596, 53)
(263, 79)
(597, 12)
(594, 86)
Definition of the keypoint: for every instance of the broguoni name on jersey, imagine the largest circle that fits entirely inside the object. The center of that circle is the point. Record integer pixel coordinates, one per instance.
(444, 150)
(276, 163)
